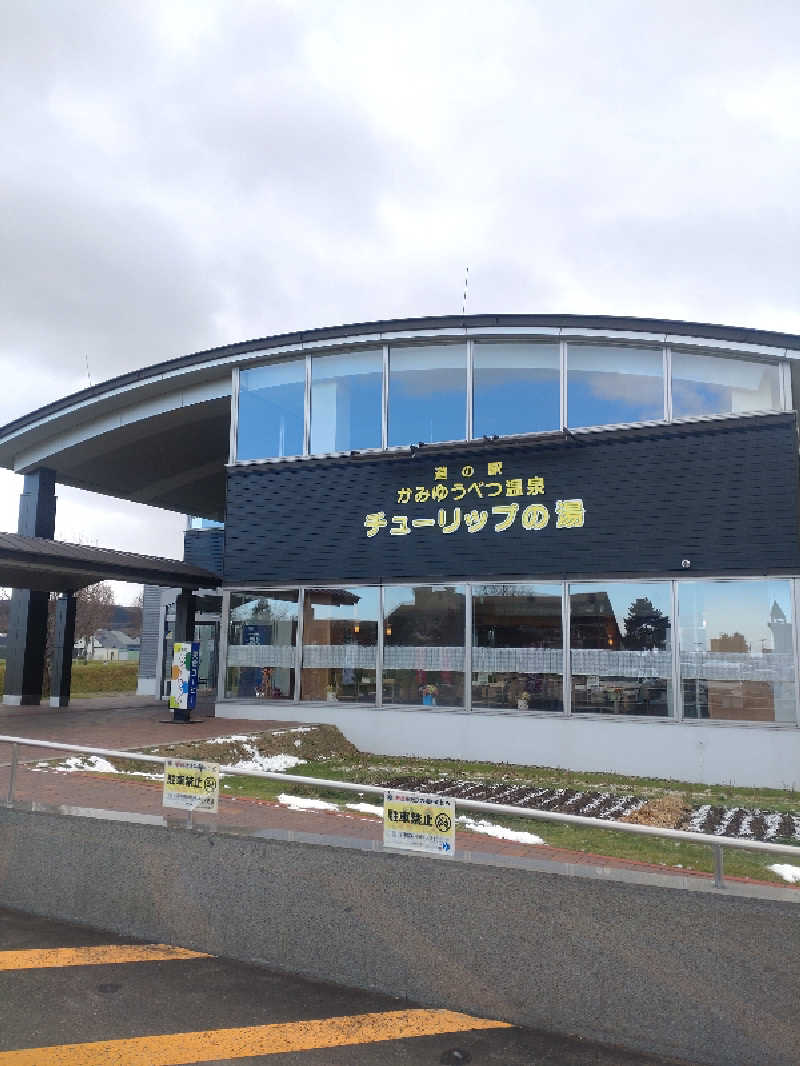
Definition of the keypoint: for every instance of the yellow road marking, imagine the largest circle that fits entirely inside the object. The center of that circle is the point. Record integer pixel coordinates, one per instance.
(177, 1049)
(102, 955)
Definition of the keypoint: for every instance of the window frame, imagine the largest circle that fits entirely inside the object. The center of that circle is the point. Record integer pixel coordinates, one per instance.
(668, 348)
(676, 717)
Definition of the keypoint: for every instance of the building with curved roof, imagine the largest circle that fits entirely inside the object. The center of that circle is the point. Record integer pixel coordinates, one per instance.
(566, 540)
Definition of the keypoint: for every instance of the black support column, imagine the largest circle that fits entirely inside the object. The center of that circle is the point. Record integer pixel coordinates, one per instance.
(184, 616)
(27, 622)
(184, 633)
(63, 644)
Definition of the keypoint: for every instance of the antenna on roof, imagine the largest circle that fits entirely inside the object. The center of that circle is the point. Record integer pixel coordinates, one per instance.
(466, 289)
(88, 375)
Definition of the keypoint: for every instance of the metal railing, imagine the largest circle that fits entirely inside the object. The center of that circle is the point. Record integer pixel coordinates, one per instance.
(717, 844)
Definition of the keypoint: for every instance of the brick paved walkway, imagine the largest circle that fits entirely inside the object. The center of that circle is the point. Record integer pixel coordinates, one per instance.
(133, 722)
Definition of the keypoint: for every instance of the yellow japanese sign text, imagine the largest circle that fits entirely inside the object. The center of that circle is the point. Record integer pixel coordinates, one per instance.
(419, 822)
(191, 785)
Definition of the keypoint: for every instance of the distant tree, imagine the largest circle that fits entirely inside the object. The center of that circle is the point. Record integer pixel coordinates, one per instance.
(645, 626)
(94, 608)
(133, 625)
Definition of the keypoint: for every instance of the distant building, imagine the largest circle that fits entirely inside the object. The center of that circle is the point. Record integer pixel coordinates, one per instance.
(109, 645)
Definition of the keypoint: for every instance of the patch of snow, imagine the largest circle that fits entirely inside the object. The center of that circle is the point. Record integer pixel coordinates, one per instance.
(270, 763)
(235, 739)
(727, 818)
(366, 808)
(95, 764)
(87, 762)
(773, 823)
(698, 818)
(590, 805)
(786, 871)
(295, 729)
(480, 825)
(624, 806)
(300, 803)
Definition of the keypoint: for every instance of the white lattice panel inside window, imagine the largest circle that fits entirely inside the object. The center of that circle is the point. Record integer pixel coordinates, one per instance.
(736, 666)
(517, 660)
(401, 658)
(261, 655)
(341, 655)
(594, 661)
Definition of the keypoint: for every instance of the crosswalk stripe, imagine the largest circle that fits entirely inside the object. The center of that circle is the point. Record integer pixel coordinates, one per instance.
(178, 1049)
(101, 955)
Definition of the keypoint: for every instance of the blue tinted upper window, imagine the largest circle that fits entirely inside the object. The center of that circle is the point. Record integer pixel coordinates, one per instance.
(607, 384)
(427, 394)
(516, 388)
(271, 404)
(710, 385)
(346, 393)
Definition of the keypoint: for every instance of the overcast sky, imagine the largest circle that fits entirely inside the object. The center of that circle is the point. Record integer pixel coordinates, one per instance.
(181, 175)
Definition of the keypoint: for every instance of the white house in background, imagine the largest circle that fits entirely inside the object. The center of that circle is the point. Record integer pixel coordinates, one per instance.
(109, 645)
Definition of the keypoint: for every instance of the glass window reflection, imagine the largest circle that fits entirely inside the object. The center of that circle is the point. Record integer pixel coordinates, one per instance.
(736, 651)
(427, 394)
(346, 392)
(340, 638)
(608, 385)
(271, 406)
(620, 648)
(517, 647)
(423, 655)
(516, 388)
(710, 385)
(262, 636)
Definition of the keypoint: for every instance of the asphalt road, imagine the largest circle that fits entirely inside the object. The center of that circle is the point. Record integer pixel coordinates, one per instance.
(72, 996)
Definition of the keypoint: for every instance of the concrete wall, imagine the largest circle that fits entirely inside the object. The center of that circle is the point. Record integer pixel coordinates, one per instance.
(718, 753)
(691, 974)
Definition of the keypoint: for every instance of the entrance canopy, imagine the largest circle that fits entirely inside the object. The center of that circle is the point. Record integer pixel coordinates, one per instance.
(55, 566)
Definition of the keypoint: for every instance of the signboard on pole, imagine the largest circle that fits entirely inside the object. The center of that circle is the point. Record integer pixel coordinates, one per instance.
(185, 671)
(191, 786)
(416, 821)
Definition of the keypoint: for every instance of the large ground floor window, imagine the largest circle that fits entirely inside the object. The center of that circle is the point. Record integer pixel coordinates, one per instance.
(262, 635)
(716, 649)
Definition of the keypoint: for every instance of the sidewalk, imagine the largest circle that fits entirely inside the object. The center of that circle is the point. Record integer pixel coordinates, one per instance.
(124, 722)
(133, 722)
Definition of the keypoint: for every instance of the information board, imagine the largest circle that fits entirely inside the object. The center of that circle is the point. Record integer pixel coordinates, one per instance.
(185, 671)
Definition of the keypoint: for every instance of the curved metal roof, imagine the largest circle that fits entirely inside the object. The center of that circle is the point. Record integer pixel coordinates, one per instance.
(159, 435)
(615, 323)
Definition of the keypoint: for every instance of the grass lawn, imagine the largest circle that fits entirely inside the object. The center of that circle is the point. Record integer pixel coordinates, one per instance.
(329, 755)
(95, 679)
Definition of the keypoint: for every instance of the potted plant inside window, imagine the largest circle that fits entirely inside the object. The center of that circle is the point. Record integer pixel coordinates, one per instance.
(429, 694)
